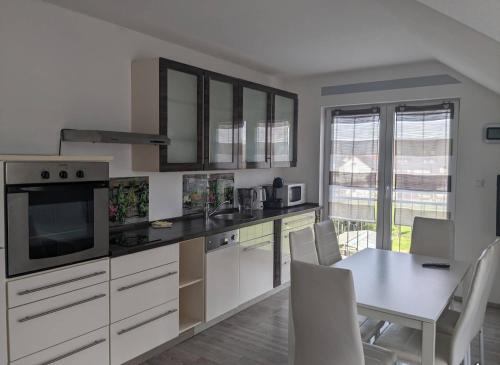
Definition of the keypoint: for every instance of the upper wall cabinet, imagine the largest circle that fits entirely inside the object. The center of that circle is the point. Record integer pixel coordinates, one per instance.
(255, 106)
(284, 130)
(221, 122)
(167, 98)
(213, 121)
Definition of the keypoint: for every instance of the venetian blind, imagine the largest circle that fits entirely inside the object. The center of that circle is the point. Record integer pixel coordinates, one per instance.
(421, 162)
(354, 164)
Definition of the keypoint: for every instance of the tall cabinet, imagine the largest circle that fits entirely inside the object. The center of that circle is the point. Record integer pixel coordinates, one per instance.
(213, 121)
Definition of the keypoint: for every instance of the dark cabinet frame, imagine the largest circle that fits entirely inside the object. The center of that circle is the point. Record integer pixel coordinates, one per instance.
(165, 65)
(203, 121)
(267, 163)
(235, 147)
(294, 97)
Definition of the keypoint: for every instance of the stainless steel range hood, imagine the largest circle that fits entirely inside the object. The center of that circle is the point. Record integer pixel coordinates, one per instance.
(96, 136)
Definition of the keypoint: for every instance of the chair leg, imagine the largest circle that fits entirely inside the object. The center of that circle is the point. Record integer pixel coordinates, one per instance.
(481, 346)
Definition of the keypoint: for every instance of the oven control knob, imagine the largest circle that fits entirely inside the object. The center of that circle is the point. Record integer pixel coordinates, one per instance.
(80, 174)
(45, 175)
(63, 174)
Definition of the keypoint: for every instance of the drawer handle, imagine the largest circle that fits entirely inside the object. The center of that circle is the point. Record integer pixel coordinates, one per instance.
(74, 352)
(256, 246)
(49, 286)
(135, 326)
(34, 316)
(127, 287)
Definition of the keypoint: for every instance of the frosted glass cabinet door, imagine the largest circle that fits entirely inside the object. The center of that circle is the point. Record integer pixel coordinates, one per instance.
(254, 133)
(221, 122)
(284, 131)
(181, 90)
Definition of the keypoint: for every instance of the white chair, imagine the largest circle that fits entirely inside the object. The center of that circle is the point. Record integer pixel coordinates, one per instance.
(432, 237)
(325, 316)
(328, 251)
(302, 246)
(448, 321)
(327, 244)
(451, 349)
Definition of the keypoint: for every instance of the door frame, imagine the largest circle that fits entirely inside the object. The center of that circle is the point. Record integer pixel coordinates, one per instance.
(386, 142)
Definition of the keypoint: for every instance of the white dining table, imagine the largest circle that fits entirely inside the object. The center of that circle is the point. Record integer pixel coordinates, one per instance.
(394, 287)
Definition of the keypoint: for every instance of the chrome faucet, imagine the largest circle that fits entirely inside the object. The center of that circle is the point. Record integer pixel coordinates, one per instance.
(209, 213)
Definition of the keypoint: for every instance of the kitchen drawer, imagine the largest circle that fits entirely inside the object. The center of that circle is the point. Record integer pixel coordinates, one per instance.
(46, 285)
(256, 267)
(136, 335)
(37, 326)
(256, 231)
(92, 348)
(298, 220)
(135, 293)
(140, 261)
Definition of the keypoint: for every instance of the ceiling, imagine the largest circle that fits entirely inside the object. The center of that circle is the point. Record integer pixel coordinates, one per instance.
(481, 15)
(279, 37)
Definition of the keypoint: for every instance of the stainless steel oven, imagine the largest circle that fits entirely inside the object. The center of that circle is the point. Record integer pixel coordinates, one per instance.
(56, 214)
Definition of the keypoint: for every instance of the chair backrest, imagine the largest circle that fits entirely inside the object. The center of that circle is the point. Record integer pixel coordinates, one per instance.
(327, 244)
(302, 246)
(324, 316)
(432, 237)
(472, 317)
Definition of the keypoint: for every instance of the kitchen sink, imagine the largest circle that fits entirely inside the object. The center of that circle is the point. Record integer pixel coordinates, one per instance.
(233, 216)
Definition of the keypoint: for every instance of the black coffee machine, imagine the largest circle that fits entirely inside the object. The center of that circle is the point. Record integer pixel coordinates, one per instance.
(271, 201)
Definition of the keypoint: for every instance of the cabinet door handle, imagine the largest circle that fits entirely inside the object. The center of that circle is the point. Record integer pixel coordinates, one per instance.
(74, 352)
(38, 315)
(257, 245)
(135, 326)
(59, 283)
(127, 287)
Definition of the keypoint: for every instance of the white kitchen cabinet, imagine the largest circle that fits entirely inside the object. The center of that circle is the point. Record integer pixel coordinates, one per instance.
(135, 293)
(45, 285)
(256, 267)
(144, 260)
(91, 348)
(36, 326)
(222, 281)
(136, 335)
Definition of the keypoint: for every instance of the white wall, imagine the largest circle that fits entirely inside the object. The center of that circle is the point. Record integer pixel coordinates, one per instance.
(475, 212)
(60, 69)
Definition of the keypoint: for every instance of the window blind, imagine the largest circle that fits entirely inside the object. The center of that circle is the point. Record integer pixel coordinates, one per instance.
(354, 164)
(421, 162)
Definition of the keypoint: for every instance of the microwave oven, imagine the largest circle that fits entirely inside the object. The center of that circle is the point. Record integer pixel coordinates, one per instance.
(292, 194)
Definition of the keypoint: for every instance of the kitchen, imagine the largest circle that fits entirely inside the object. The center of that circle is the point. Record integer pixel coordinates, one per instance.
(88, 277)
(157, 158)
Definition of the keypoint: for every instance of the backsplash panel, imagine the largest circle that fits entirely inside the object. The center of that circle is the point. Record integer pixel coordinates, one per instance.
(128, 200)
(194, 191)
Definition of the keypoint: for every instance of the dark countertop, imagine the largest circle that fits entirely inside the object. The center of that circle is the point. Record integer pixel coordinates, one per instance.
(187, 228)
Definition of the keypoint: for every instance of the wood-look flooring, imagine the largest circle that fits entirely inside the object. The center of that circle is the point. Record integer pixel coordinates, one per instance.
(259, 336)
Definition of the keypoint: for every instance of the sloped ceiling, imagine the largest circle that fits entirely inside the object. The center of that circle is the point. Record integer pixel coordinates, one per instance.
(289, 38)
(481, 15)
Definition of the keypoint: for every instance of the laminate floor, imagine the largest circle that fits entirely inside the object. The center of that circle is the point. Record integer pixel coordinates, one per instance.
(259, 336)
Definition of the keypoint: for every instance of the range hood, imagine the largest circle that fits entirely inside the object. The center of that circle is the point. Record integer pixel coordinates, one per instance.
(96, 136)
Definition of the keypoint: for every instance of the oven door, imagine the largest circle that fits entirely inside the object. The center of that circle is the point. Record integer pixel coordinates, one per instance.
(55, 224)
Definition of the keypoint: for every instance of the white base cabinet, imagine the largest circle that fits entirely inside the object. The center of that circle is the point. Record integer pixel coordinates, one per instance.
(136, 335)
(256, 267)
(135, 293)
(36, 326)
(91, 348)
(222, 281)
